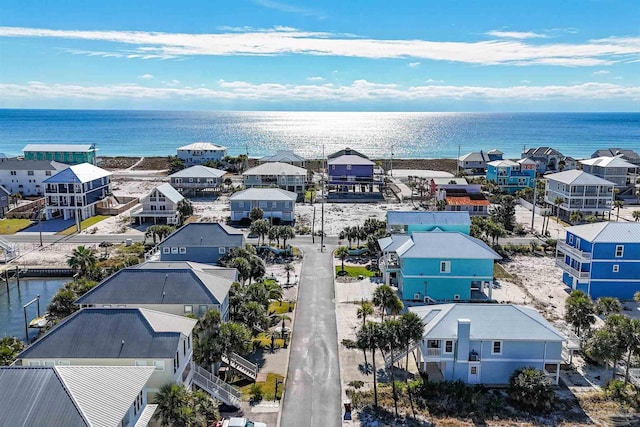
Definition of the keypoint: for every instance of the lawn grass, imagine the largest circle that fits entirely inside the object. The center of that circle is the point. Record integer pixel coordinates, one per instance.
(268, 387)
(264, 340)
(13, 225)
(276, 307)
(500, 273)
(84, 224)
(355, 271)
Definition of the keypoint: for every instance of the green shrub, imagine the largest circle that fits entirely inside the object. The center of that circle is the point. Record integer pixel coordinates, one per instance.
(530, 388)
(256, 393)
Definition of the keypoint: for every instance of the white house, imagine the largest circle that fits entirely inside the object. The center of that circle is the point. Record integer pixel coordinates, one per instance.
(197, 179)
(201, 152)
(275, 203)
(284, 156)
(614, 169)
(27, 176)
(75, 191)
(276, 174)
(160, 205)
(579, 191)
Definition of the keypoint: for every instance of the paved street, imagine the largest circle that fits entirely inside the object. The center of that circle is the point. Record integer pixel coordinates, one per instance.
(313, 394)
(74, 238)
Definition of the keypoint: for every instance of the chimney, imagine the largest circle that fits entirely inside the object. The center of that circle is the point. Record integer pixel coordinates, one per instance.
(464, 332)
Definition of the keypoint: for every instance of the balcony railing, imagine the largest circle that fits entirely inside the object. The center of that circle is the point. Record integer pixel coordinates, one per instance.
(575, 252)
(572, 271)
(434, 352)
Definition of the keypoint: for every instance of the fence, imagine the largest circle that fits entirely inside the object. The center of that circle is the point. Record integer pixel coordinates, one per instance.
(540, 211)
(125, 203)
(25, 211)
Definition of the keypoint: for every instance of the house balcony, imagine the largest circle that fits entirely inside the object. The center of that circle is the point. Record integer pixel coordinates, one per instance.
(572, 271)
(574, 252)
(196, 184)
(433, 353)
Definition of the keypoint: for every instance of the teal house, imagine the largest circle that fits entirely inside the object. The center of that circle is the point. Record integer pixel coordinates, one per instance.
(438, 266)
(71, 154)
(407, 222)
(512, 176)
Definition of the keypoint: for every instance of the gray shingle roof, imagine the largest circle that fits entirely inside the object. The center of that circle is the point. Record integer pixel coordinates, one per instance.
(31, 165)
(162, 285)
(488, 322)
(198, 171)
(347, 151)
(105, 333)
(204, 234)
(269, 194)
(441, 244)
(428, 218)
(608, 232)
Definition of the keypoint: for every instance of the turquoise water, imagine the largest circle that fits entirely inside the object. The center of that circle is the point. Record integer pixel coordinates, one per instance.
(12, 301)
(408, 135)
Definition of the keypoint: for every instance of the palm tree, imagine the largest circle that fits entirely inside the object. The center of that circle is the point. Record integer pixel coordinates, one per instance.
(274, 234)
(618, 204)
(273, 289)
(384, 297)
(411, 330)
(608, 305)
(365, 309)
(342, 252)
(390, 342)
(254, 317)
(347, 234)
(286, 232)
(557, 202)
(256, 213)
(579, 311)
(83, 260)
(368, 338)
(576, 216)
(261, 228)
(633, 341)
(636, 215)
(236, 338)
(256, 268)
(282, 318)
(243, 267)
(10, 347)
(288, 268)
(185, 209)
(170, 400)
(207, 348)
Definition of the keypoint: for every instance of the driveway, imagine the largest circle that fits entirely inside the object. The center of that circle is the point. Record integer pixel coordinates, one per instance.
(313, 393)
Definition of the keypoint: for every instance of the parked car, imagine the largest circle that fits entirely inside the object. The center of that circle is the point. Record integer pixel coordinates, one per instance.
(241, 422)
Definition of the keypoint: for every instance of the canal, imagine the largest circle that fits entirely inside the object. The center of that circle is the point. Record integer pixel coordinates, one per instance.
(12, 301)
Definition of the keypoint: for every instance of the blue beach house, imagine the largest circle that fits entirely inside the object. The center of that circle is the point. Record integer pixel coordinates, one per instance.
(407, 222)
(485, 343)
(602, 259)
(512, 176)
(438, 266)
(202, 242)
(350, 171)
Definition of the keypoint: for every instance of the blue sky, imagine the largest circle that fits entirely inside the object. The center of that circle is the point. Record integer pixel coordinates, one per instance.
(466, 55)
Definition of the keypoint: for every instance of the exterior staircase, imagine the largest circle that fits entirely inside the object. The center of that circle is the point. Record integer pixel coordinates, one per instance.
(217, 388)
(241, 365)
(9, 249)
(388, 360)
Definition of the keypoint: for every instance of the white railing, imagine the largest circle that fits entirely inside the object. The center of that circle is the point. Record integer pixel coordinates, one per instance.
(566, 248)
(434, 352)
(216, 387)
(389, 360)
(566, 267)
(241, 365)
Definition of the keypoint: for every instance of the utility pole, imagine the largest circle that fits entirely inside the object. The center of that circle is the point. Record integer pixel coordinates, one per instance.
(458, 162)
(533, 209)
(313, 226)
(322, 206)
(391, 165)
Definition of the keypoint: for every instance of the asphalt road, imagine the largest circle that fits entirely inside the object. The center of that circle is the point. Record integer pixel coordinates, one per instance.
(74, 238)
(313, 394)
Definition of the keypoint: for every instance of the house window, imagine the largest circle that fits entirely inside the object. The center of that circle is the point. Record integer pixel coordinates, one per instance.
(619, 251)
(184, 347)
(30, 173)
(348, 167)
(106, 305)
(166, 250)
(221, 250)
(34, 363)
(474, 370)
(48, 363)
(63, 363)
(448, 346)
(616, 268)
(445, 266)
(159, 365)
(241, 204)
(183, 250)
(47, 173)
(202, 309)
(141, 363)
(274, 204)
(570, 238)
(188, 309)
(14, 173)
(333, 167)
(174, 250)
(496, 348)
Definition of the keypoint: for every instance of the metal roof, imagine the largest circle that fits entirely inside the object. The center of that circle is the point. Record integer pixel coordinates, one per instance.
(503, 163)
(577, 177)
(34, 397)
(275, 168)
(488, 322)
(169, 192)
(347, 151)
(608, 232)
(269, 194)
(609, 162)
(108, 333)
(204, 234)
(203, 146)
(283, 156)
(447, 181)
(428, 218)
(166, 284)
(198, 171)
(84, 172)
(32, 165)
(542, 152)
(350, 159)
(615, 152)
(443, 244)
(67, 148)
(475, 156)
(393, 242)
(104, 394)
(146, 415)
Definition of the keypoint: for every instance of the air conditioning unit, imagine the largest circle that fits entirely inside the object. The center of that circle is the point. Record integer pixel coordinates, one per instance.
(416, 296)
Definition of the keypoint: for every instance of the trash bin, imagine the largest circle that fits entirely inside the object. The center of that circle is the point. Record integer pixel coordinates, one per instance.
(347, 405)
(128, 242)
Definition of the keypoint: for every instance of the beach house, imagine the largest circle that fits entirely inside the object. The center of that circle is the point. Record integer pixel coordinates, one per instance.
(197, 179)
(202, 242)
(407, 222)
(276, 174)
(26, 177)
(614, 169)
(486, 343)
(277, 204)
(159, 206)
(625, 154)
(353, 172)
(463, 198)
(512, 176)
(284, 156)
(602, 259)
(71, 154)
(576, 190)
(5, 200)
(74, 192)
(176, 287)
(549, 159)
(119, 337)
(476, 161)
(437, 266)
(75, 396)
(201, 152)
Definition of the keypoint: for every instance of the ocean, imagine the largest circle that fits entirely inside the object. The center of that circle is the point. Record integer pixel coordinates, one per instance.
(406, 135)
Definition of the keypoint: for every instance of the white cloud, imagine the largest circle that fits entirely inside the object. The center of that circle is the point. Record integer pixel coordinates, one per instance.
(358, 90)
(146, 76)
(525, 81)
(315, 79)
(171, 83)
(433, 81)
(601, 72)
(516, 34)
(413, 64)
(290, 41)
(287, 8)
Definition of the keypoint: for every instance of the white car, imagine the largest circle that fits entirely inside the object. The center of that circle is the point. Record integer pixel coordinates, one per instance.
(241, 422)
